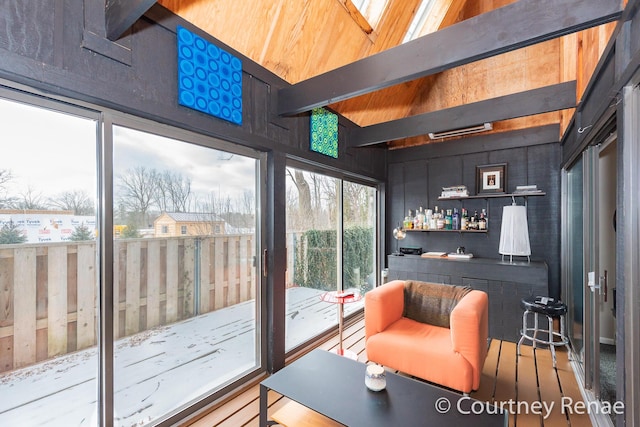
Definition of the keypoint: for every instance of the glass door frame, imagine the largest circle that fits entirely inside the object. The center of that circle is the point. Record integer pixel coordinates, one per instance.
(628, 274)
(586, 360)
(592, 289)
(310, 167)
(14, 92)
(106, 203)
(568, 257)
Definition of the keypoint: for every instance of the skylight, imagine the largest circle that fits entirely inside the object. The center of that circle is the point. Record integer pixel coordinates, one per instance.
(371, 10)
(419, 25)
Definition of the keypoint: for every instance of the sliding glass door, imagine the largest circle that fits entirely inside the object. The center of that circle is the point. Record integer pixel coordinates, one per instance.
(48, 264)
(331, 245)
(185, 291)
(573, 262)
(590, 267)
(184, 284)
(359, 236)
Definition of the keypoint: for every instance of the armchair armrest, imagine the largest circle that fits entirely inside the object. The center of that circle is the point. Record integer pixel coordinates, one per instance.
(383, 306)
(470, 330)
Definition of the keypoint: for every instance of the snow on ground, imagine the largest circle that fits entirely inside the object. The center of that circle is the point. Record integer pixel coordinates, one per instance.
(156, 371)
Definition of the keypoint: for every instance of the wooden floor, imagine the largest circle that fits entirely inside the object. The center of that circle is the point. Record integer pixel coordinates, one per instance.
(512, 382)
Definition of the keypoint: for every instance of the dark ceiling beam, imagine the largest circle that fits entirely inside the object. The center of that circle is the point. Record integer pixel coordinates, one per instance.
(517, 25)
(536, 101)
(120, 15)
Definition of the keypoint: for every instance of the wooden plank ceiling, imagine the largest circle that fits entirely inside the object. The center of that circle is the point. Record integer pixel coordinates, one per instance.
(298, 40)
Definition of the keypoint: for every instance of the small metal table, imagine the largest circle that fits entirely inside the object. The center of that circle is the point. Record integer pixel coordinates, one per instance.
(341, 298)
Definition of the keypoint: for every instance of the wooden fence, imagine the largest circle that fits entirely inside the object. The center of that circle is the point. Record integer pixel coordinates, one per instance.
(48, 292)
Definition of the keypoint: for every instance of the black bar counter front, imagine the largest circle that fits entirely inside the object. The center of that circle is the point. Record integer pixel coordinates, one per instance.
(506, 283)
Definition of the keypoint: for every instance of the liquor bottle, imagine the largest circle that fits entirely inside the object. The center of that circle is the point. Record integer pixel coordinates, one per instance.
(482, 222)
(464, 219)
(473, 223)
(455, 220)
(439, 219)
(408, 221)
(428, 220)
(420, 219)
(447, 220)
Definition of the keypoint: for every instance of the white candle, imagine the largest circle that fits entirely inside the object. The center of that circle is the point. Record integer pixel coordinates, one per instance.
(375, 379)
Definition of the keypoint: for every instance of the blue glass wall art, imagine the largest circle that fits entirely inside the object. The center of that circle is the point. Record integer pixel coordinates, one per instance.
(209, 78)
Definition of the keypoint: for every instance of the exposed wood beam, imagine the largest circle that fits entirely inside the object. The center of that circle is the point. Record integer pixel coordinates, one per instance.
(119, 15)
(536, 101)
(511, 27)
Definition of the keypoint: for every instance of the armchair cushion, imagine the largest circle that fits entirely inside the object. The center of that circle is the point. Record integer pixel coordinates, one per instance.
(431, 303)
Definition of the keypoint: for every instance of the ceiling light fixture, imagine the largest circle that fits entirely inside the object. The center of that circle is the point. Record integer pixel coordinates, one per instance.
(463, 131)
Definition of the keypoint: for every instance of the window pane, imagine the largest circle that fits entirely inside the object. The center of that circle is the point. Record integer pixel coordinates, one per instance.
(312, 224)
(324, 215)
(185, 283)
(359, 243)
(371, 10)
(48, 270)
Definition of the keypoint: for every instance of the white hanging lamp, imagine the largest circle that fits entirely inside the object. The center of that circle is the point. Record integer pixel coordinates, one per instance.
(514, 234)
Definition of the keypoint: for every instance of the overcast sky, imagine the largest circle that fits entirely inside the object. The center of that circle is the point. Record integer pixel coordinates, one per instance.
(53, 153)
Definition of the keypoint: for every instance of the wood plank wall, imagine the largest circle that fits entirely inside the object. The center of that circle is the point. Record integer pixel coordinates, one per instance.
(298, 40)
(48, 291)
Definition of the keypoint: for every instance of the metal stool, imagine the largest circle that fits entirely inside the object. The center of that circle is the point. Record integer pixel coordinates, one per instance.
(551, 308)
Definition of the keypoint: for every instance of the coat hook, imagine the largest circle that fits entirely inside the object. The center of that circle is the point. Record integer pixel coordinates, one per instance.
(582, 129)
(618, 101)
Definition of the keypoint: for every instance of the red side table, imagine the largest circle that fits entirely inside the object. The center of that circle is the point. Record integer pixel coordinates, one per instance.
(341, 298)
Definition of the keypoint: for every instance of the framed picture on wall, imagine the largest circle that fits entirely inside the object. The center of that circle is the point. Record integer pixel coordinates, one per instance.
(491, 179)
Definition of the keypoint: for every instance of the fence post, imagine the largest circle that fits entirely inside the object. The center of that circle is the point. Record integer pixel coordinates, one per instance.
(57, 300)
(197, 251)
(153, 283)
(87, 302)
(24, 307)
(132, 289)
(188, 278)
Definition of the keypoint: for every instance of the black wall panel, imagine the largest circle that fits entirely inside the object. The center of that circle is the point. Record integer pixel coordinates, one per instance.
(395, 208)
(29, 30)
(533, 163)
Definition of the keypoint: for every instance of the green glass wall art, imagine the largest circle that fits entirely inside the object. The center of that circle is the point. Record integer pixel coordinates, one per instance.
(324, 132)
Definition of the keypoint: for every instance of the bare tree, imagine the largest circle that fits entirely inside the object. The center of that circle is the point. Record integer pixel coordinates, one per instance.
(216, 204)
(138, 187)
(358, 203)
(30, 199)
(303, 208)
(77, 201)
(5, 178)
(173, 192)
(246, 202)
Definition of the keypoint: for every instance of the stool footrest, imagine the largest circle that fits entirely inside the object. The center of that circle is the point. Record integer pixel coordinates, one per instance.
(550, 309)
(563, 339)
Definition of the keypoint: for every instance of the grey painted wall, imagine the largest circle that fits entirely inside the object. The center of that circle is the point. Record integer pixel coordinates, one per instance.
(416, 178)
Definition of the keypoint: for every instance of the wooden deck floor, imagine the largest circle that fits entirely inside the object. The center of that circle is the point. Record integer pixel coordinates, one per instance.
(513, 382)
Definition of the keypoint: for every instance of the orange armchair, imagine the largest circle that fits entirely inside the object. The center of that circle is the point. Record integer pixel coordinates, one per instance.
(452, 357)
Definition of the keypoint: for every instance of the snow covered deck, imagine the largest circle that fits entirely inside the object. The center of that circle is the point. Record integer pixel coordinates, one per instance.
(158, 370)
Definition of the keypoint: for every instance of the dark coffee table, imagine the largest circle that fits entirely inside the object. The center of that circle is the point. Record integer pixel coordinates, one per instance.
(334, 386)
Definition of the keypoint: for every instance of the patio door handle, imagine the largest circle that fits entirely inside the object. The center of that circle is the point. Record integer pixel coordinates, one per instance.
(264, 264)
(591, 277)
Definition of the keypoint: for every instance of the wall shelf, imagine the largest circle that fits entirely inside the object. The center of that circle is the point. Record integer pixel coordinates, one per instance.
(494, 196)
(447, 231)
